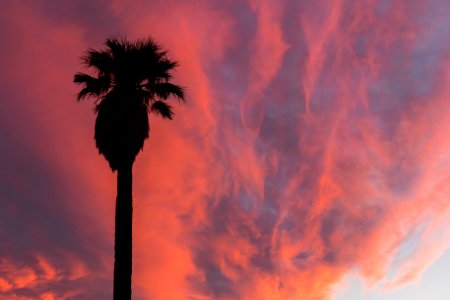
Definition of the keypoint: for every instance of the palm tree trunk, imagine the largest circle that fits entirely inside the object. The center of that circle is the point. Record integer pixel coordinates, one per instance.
(123, 235)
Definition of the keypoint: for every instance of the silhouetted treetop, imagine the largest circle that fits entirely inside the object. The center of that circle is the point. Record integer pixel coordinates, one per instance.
(127, 80)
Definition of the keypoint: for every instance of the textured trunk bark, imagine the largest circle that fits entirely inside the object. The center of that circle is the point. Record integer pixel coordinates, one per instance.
(123, 235)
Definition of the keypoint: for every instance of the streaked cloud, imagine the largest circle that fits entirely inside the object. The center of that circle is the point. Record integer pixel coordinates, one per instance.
(314, 143)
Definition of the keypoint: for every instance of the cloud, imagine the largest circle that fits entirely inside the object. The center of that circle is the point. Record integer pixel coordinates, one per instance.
(313, 143)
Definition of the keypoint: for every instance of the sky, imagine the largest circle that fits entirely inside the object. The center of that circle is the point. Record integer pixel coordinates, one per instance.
(310, 162)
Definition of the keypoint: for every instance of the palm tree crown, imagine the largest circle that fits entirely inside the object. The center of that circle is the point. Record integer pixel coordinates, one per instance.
(129, 79)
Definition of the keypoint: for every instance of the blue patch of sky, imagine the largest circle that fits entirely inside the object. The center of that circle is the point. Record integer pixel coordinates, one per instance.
(433, 285)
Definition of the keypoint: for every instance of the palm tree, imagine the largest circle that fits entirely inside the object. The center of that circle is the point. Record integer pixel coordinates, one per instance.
(128, 80)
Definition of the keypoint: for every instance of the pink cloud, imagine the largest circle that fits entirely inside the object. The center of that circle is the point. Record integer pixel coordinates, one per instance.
(313, 143)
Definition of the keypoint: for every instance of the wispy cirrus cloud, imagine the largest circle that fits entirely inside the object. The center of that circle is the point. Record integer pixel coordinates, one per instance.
(313, 144)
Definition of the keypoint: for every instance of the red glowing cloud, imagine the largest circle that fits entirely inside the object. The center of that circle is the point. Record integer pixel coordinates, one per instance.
(313, 143)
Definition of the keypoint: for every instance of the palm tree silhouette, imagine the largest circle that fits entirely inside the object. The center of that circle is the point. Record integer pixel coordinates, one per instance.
(128, 80)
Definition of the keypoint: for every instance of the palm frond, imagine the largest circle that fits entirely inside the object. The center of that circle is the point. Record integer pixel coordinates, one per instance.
(101, 61)
(117, 48)
(166, 89)
(162, 69)
(163, 109)
(149, 47)
(92, 86)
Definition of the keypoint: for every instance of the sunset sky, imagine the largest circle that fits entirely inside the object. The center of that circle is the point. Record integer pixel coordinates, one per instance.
(310, 162)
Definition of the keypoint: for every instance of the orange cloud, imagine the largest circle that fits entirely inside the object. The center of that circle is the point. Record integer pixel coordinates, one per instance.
(313, 143)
